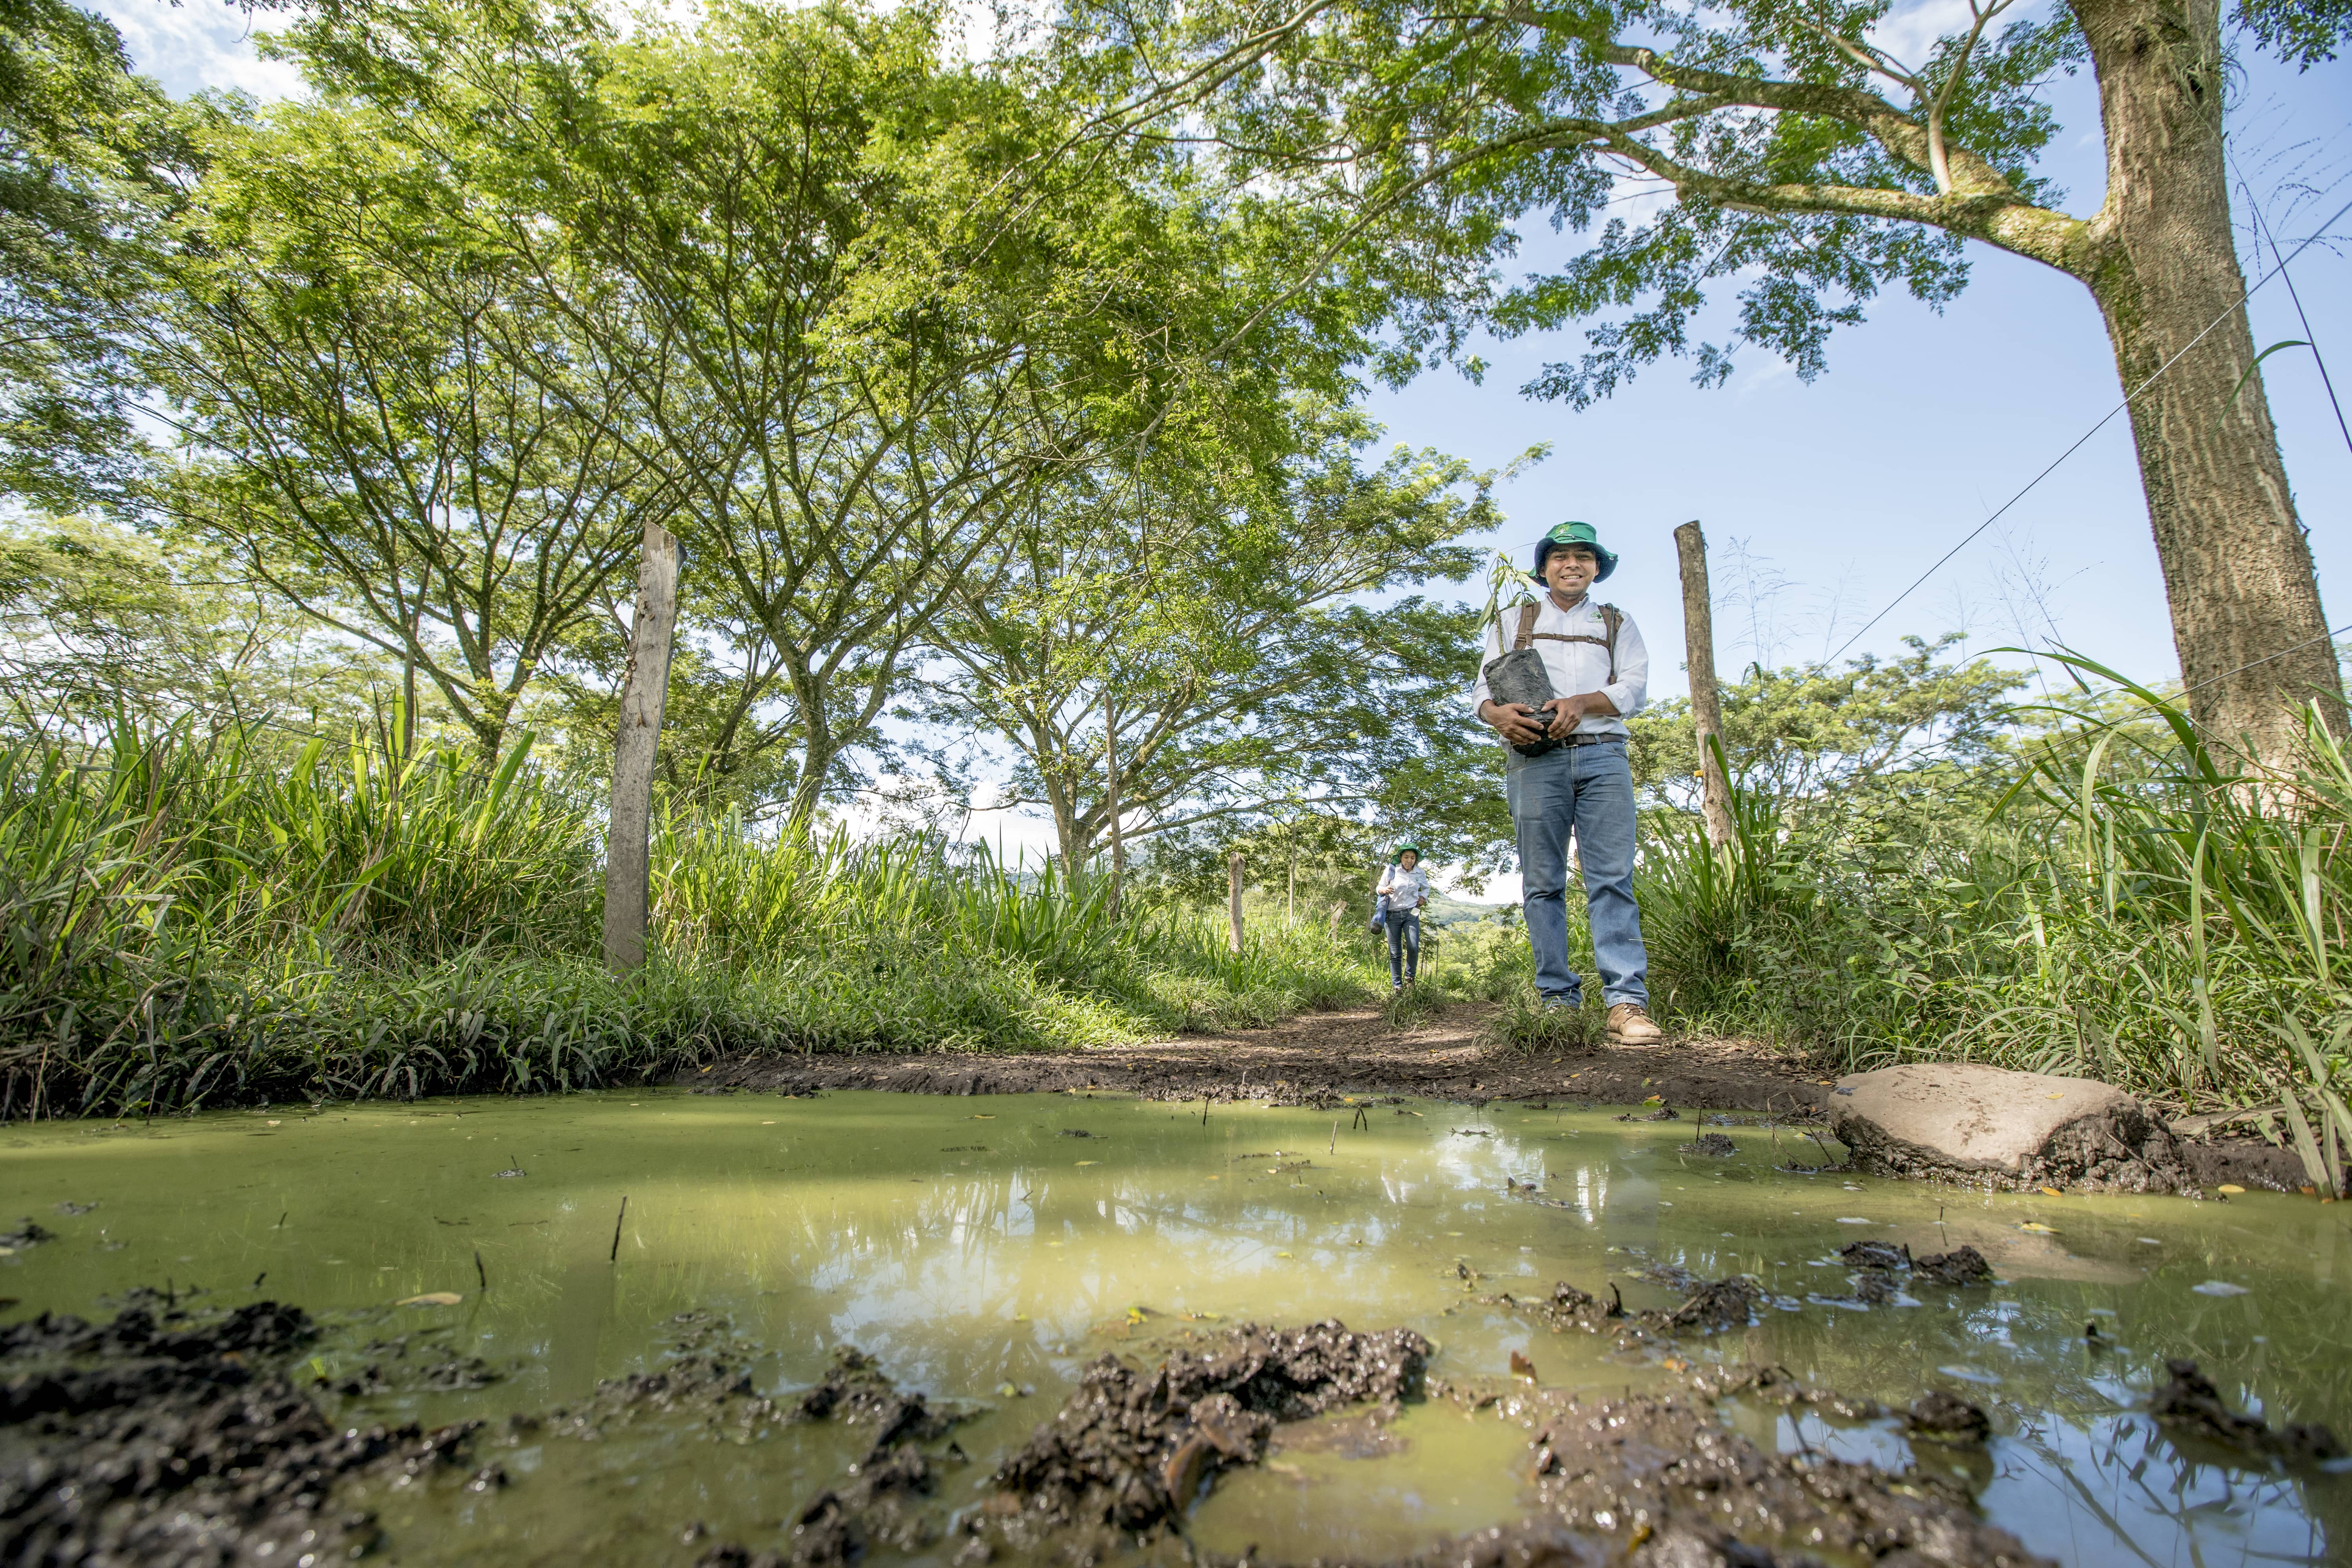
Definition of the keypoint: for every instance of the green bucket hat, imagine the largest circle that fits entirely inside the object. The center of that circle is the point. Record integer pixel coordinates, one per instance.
(1397, 859)
(1575, 533)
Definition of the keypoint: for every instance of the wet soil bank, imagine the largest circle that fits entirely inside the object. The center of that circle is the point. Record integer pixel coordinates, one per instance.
(1321, 1057)
(1318, 1058)
(171, 1436)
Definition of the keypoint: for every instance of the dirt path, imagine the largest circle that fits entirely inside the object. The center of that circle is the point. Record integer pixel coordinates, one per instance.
(1322, 1054)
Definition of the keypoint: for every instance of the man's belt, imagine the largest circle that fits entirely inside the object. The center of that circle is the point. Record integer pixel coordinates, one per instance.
(1594, 740)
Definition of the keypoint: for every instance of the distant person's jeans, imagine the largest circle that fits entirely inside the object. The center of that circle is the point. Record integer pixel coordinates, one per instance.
(1588, 790)
(1404, 946)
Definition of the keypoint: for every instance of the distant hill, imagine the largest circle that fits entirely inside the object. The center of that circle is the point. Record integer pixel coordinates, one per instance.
(1442, 911)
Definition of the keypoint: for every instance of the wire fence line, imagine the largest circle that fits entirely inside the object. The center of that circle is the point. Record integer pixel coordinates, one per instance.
(2105, 419)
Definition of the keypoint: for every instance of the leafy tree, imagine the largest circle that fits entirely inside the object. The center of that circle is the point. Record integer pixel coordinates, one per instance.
(367, 417)
(98, 621)
(852, 312)
(1220, 617)
(1781, 145)
(1795, 734)
(92, 157)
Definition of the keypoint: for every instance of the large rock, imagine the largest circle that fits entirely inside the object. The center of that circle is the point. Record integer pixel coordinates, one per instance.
(1989, 1127)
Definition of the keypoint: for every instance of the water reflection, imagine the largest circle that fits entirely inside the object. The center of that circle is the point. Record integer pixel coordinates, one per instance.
(972, 1251)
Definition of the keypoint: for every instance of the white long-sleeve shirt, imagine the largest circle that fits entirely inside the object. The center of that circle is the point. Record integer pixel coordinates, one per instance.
(1576, 667)
(1406, 890)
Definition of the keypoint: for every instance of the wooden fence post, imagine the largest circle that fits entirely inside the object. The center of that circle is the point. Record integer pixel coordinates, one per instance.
(1110, 768)
(627, 847)
(1234, 887)
(1706, 702)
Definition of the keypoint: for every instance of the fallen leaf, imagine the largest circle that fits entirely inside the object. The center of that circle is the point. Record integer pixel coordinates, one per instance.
(1089, 1162)
(1522, 1367)
(432, 1299)
(272, 1124)
(1216, 1178)
(2232, 1188)
(2050, 1192)
(2061, 1095)
(2039, 1229)
(976, 1116)
(1282, 1255)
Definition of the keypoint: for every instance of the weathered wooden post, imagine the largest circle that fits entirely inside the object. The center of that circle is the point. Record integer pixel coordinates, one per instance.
(1706, 702)
(1111, 769)
(1234, 890)
(627, 847)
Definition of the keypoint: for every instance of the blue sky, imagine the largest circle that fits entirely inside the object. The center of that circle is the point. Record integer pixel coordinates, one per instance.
(1821, 503)
(1845, 490)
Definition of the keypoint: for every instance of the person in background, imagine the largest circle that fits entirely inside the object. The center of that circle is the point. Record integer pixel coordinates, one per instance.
(1405, 888)
(1567, 772)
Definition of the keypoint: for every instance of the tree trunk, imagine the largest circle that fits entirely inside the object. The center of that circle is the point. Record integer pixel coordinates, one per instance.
(1111, 781)
(627, 849)
(2246, 617)
(1234, 891)
(1706, 701)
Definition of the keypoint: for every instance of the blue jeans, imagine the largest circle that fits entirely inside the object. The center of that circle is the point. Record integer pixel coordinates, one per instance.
(1591, 790)
(1404, 946)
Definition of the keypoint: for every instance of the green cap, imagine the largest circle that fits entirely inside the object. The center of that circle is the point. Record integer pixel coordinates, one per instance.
(1397, 859)
(1575, 533)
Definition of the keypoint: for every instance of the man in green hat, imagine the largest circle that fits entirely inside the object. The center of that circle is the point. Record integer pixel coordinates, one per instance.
(1568, 774)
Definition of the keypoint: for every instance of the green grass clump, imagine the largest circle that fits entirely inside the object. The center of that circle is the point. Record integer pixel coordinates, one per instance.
(2140, 909)
(191, 923)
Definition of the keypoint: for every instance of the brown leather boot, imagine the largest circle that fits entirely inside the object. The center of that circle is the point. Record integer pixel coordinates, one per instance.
(1630, 1025)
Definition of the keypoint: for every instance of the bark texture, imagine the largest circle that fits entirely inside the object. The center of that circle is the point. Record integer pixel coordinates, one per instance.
(2238, 574)
(1706, 701)
(643, 691)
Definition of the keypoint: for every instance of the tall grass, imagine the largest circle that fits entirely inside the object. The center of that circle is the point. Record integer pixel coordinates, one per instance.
(2156, 915)
(192, 923)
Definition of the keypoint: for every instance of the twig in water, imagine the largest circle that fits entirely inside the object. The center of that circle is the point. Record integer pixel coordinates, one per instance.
(1204, 1109)
(1335, 1138)
(258, 1280)
(617, 1229)
(281, 1221)
(483, 1274)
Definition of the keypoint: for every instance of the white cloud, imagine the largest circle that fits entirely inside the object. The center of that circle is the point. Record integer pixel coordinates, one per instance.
(199, 45)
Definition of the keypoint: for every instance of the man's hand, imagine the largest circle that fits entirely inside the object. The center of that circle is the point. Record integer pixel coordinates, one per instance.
(1520, 723)
(1566, 713)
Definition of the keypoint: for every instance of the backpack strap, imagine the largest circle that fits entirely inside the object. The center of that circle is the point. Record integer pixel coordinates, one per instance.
(1612, 620)
(1527, 613)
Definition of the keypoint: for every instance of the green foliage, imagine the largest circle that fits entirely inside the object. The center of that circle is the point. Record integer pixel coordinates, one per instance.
(2137, 909)
(92, 157)
(191, 922)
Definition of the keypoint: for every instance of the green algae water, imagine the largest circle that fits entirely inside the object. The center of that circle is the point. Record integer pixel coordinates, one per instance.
(477, 1259)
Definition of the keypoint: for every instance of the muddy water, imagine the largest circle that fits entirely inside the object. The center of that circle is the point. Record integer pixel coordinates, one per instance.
(983, 1252)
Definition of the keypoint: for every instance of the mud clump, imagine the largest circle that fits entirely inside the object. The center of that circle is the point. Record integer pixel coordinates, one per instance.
(1961, 1266)
(1714, 1144)
(1946, 1417)
(708, 1376)
(1712, 1306)
(1663, 1113)
(1660, 1483)
(1875, 1255)
(2190, 1400)
(173, 1439)
(882, 1501)
(855, 1391)
(1129, 1449)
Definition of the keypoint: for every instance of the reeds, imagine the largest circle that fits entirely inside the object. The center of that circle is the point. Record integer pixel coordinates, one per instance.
(2138, 908)
(193, 922)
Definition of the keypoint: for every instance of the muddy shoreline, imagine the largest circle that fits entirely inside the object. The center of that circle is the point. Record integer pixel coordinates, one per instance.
(1320, 1059)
